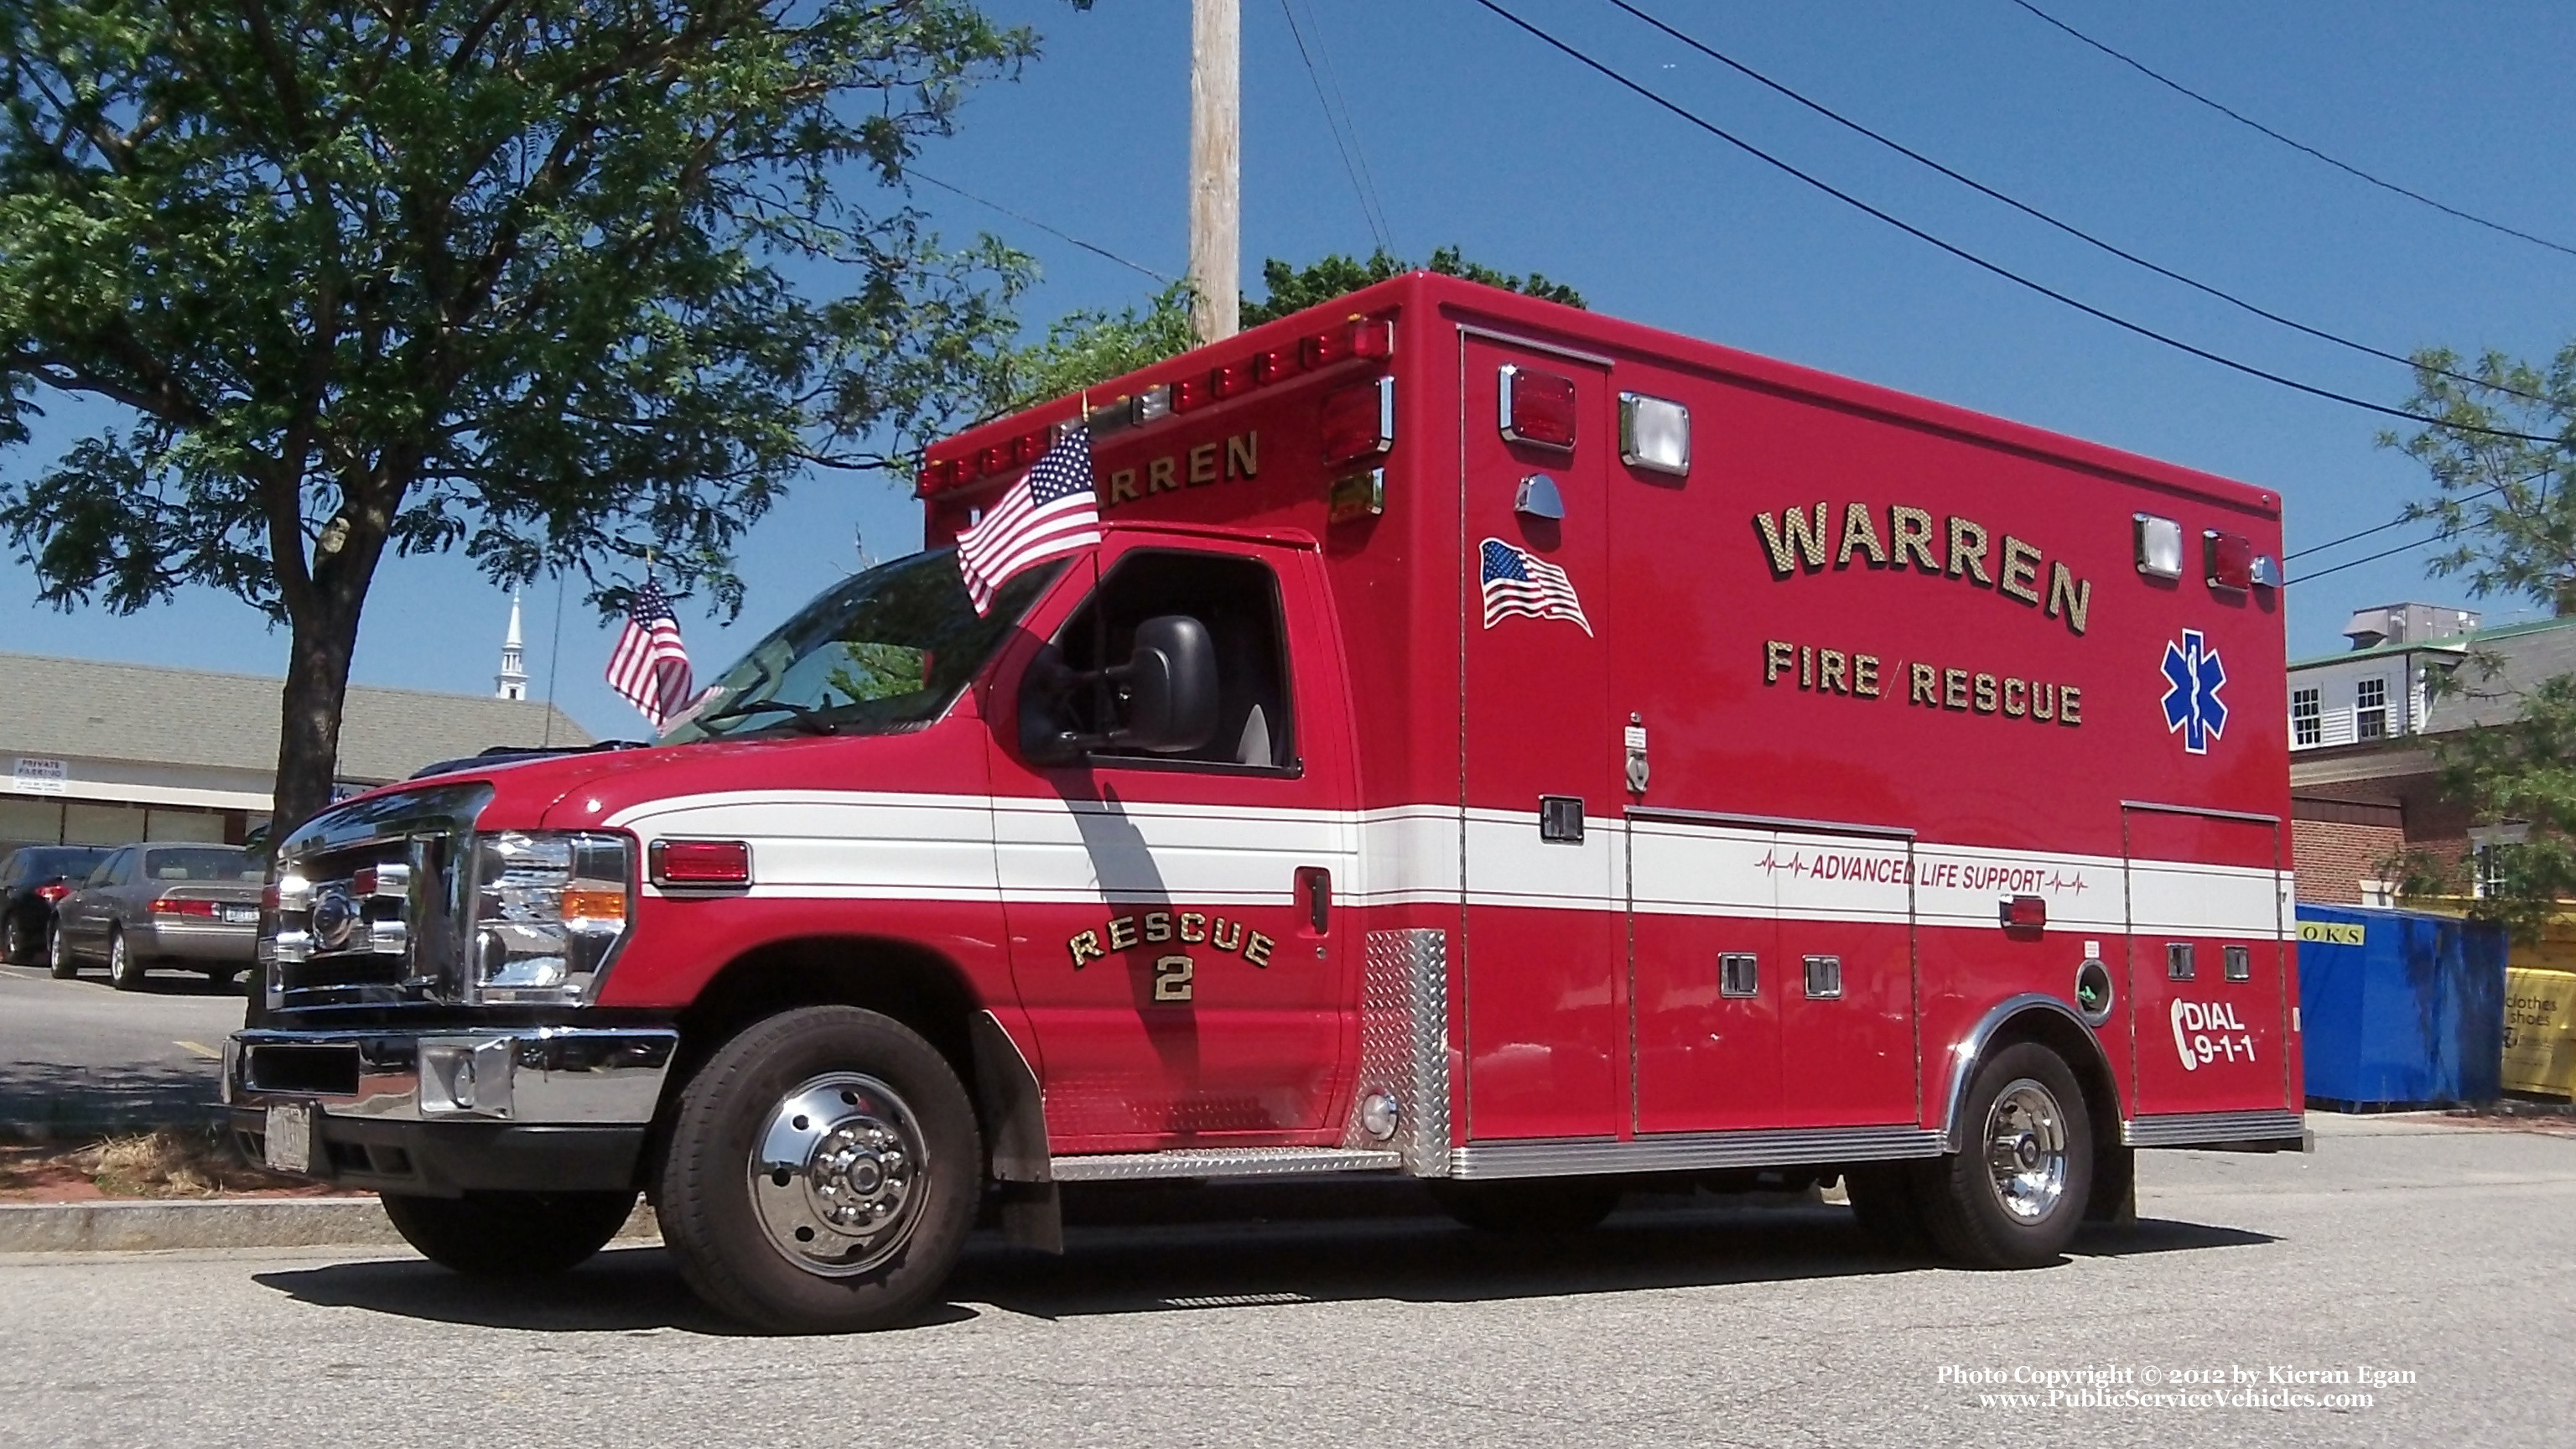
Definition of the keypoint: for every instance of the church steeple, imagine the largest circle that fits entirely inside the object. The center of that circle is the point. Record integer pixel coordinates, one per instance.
(512, 681)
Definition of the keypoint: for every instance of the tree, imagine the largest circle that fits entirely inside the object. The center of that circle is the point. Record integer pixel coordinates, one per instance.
(2507, 508)
(527, 277)
(1089, 347)
(1296, 289)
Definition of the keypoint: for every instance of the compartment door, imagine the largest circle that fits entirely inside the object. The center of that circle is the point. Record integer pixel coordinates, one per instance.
(2209, 961)
(1546, 1022)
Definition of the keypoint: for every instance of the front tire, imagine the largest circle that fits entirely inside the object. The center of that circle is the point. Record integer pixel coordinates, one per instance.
(824, 1170)
(509, 1234)
(124, 968)
(2015, 1194)
(1528, 1205)
(58, 953)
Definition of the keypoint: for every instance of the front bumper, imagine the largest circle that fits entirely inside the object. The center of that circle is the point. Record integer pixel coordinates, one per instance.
(443, 1112)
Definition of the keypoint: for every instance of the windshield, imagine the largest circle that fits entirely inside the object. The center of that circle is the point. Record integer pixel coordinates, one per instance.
(202, 864)
(877, 653)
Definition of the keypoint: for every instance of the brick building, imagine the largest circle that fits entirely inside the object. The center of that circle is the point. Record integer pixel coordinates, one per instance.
(2362, 782)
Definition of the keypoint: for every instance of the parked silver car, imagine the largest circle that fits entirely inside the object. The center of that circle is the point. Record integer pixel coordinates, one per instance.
(146, 905)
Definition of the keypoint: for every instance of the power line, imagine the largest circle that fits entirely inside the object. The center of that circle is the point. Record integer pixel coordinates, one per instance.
(2371, 557)
(2036, 214)
(1336, 123)
(920, 175)
(2242, 119)
(1996, 269)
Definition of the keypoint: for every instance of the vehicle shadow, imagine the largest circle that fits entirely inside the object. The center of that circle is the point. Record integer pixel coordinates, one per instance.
(1291, 1255)
(61, 1099)
(166, 981)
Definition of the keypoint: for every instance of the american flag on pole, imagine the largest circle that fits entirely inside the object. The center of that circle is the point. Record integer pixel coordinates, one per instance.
(650, 666)
(1051, 512)
(1516, 582)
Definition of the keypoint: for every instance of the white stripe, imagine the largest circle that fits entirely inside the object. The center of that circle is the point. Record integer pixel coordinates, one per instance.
(966, 847)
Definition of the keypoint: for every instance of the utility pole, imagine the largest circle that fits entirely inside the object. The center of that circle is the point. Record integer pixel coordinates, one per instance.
(1216, 167)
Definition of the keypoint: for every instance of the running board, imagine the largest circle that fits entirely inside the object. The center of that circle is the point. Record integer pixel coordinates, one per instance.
(1691, 1151)
(2269, 1131)
(1219, 1162)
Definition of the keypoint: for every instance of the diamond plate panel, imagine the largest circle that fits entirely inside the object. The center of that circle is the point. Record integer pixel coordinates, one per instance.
(1404, 1047)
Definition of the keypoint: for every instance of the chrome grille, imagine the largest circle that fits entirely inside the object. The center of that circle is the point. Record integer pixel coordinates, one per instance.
(348, 926)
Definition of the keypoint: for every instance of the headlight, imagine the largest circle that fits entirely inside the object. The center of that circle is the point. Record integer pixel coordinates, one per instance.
(550, 908)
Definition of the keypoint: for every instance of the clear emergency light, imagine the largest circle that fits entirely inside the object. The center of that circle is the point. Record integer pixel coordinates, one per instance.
(2159, 543)
(1538, 408)
(1654, 434)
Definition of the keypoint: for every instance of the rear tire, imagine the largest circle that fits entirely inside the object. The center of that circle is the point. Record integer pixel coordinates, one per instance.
(824, 1170)
(509, 1234)
(2015, 1194)
(223, 976)
(1528, 1205)
(58, 953)
(15, 948)
(125, 970)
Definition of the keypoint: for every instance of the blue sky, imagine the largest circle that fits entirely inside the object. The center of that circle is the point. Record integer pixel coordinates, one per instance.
(1476, 135)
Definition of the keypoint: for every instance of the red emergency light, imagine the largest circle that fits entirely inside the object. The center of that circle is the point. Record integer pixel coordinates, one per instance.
(2025, 913)
(1359, 422)
(1538, 407)
(2230, 560)
(1355, 339)
(701, 864)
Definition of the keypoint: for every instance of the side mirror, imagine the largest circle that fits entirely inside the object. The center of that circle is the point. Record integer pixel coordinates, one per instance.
(1163, 699)
(1170, 687)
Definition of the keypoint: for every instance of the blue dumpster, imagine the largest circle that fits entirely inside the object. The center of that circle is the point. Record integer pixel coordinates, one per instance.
(2400, 1008)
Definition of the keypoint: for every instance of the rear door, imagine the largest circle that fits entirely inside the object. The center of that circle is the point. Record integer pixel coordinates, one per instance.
(2209, 960)
(1545, 955)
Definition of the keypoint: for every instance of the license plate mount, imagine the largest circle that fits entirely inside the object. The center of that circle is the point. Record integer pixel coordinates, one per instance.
(288, 1145)
(241, 915)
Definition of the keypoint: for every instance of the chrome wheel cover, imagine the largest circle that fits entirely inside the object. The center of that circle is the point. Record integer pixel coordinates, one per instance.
(119, 967)
(839, 1174)
(2026, 1151)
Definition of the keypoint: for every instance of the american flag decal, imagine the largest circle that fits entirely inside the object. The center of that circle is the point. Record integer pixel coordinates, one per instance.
(1517, 582)
(1052, 511)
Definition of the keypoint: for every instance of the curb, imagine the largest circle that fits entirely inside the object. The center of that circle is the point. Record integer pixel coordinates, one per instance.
(133, 1227)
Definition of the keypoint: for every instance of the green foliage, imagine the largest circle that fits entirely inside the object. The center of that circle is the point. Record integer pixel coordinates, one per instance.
(1085, 349)
(534, 278)
(1296, 289)
(2507, 507)
(2521, 773)
(2508, 510)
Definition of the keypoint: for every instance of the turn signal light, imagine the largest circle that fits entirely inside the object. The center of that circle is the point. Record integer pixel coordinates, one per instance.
(701, 863)
(1538, 407)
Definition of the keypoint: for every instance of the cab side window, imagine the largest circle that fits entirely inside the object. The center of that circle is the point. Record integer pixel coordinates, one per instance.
(1237, 600)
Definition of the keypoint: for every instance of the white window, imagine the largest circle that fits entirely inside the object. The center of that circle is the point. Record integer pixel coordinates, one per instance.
(2370, 710)
(2307, 722)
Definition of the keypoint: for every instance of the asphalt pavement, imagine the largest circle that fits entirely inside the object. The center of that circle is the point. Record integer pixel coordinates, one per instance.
(78, 1055)
(2424, 1265)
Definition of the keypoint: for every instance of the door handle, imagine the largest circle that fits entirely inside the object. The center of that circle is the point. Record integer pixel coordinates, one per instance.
(1315, 885)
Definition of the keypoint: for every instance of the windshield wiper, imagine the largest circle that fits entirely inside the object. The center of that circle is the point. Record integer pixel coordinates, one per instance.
(801, 716)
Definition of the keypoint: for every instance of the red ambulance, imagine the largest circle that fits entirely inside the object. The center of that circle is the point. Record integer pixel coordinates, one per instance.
(1490, 743)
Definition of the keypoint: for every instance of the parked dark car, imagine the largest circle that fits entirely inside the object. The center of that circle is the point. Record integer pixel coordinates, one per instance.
(31, 881)
(148, 905)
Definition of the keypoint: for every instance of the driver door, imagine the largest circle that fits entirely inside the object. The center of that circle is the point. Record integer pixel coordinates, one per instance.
(1173, 933)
